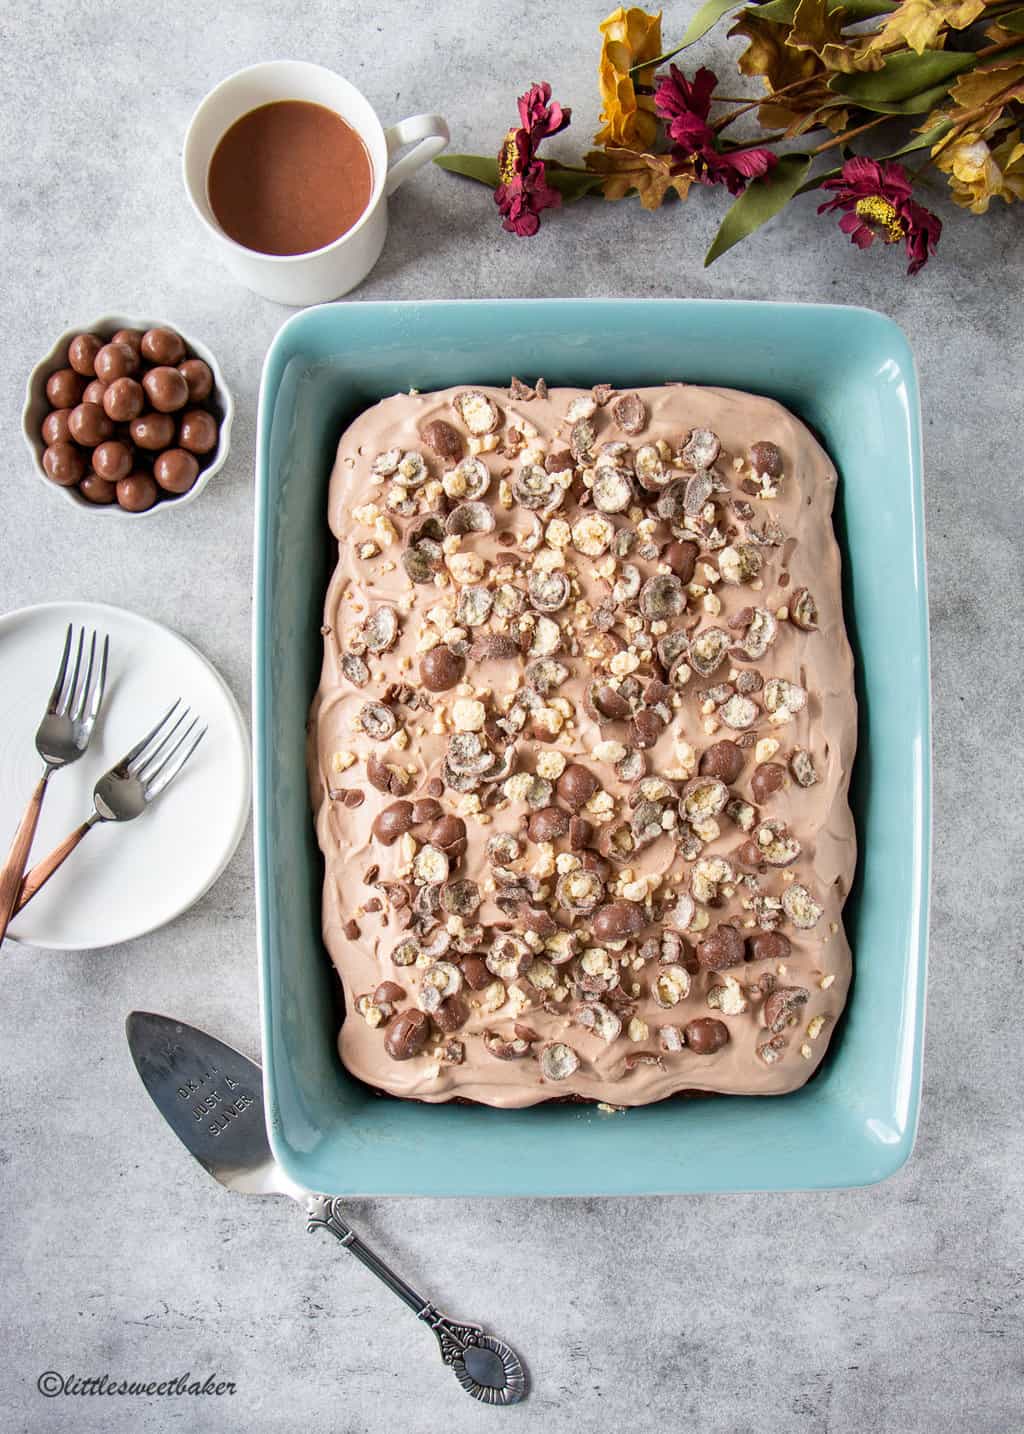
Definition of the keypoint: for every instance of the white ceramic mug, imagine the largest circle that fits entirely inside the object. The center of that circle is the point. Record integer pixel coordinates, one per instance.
(300, 279)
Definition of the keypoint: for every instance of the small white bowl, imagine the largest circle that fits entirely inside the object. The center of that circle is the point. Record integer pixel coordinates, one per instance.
(37, 406)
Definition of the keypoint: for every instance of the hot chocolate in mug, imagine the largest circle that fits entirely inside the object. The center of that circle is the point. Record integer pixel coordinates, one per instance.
(328, 272)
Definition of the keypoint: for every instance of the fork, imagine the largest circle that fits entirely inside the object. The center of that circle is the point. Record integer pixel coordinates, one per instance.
(62, 738)
(124, 793)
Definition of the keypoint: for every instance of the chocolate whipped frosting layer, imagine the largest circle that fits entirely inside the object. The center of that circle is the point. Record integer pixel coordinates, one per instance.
(580, 752)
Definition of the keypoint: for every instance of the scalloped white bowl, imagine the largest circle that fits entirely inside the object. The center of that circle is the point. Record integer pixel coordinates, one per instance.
(37, 406)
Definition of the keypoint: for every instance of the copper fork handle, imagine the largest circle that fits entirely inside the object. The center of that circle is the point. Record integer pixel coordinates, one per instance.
(17, 858)
(43, 870)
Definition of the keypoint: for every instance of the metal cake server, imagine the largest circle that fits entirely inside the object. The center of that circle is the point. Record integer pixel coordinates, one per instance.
(212, 1098)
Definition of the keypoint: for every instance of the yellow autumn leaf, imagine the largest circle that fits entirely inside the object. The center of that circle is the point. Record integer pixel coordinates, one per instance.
(629, 37)
(815, 26)
(768, 56)
(651, 175)
(849, 60)
(981, 86)
(918, 23)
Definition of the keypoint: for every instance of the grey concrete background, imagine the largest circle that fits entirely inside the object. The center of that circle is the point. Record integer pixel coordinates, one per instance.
(891, 1309)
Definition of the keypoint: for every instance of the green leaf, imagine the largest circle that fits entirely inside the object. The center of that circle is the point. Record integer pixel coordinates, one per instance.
(918, 105)
(903, 76)
(819, 180)
(573, 183)
(779, 12)
(1014, 22)
(708, 15)
(857, 10)
(570, 183)
(782, 12)
(473, 166)
(759, 202)
(924, 141)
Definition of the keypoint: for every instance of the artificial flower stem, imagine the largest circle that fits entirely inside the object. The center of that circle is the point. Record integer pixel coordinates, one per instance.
(726, 120)
(989, 50)
(754, 104)
(850, 133)
(660, 60)
(1003, 8)
(733, 145)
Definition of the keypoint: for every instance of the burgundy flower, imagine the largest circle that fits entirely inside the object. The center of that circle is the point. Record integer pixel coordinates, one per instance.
(541, 118)
(685, 107)
(523, 190)
(877, 199)
(521, 200)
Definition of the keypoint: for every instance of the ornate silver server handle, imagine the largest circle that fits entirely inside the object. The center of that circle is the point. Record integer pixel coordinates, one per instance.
(487, 1368)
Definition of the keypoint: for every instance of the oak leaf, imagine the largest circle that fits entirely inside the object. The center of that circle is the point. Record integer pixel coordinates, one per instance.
(851, 60)
(815, 26)
(980, 87)
(918, 23)
(768, 56)
(650, 175)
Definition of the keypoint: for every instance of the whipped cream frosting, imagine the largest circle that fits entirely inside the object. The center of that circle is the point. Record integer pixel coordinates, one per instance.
(522, 968)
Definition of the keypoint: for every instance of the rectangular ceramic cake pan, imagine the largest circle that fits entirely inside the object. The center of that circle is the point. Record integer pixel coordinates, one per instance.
(850, 375)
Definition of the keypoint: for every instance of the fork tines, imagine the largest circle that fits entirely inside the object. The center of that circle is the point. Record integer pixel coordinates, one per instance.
(161, 754)
(70, 695)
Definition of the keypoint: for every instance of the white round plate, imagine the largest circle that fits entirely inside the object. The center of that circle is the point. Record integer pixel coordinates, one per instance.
(125, 878)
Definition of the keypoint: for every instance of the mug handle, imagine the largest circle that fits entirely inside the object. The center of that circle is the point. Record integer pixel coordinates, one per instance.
(432, 133)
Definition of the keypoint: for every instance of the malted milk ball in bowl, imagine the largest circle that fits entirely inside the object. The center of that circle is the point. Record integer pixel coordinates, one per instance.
(198, 431)
(82, 353)
(127, 418)
(175, 470)
(162, 346)
(112, 460)
(152, 431)
(165, 388)
(64, 464)
(124, 400)
(115, 361)
(98, 490)
(131, 337)
(94, 391)
(199, 379)
(137, 493)
(88, 425)
(64, 388)
(56, 428)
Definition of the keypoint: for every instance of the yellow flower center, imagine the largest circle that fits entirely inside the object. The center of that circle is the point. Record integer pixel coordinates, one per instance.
(508, 159)
(880, 213)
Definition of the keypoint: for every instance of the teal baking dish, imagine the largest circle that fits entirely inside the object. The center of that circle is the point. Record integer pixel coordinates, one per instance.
(850, 374)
